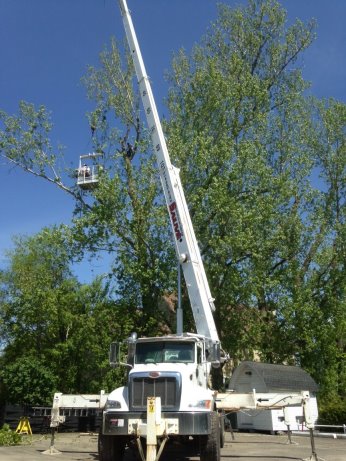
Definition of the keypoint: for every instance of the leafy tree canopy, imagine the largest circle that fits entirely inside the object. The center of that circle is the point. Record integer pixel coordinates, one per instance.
(263, 167)
(253, 149)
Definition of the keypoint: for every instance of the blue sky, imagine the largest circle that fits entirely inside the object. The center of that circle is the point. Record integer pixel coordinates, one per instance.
(46, 46)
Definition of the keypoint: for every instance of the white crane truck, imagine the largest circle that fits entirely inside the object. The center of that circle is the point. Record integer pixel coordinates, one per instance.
(174, 368)
(168, 393)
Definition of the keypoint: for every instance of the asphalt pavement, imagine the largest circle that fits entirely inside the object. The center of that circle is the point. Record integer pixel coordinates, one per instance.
(245, 447)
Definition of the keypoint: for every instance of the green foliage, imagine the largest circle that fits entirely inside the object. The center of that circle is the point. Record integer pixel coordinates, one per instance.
(238, 116)
(56, 332)
(24, 136)
(24, 141)
(28, 381)
(127, 215)
(332, 411)
(253, 148)
(8, 437)
(263, 167)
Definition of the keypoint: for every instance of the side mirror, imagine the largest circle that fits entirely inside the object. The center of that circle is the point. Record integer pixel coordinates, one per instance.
(113, 355)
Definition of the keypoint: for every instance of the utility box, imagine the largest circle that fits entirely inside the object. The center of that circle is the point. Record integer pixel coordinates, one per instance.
(266, 377)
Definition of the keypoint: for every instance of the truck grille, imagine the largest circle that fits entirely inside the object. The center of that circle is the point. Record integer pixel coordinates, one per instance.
(165, 386)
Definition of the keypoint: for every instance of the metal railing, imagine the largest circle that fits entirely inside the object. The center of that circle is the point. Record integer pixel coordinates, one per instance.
(330, 426)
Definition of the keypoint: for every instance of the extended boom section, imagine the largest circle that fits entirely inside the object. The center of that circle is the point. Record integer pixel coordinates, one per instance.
(188, 252)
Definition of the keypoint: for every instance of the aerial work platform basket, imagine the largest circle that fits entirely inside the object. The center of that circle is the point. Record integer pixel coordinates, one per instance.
(88, 172)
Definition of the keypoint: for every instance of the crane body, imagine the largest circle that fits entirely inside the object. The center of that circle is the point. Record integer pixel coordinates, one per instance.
(174, 369)
(168, 393)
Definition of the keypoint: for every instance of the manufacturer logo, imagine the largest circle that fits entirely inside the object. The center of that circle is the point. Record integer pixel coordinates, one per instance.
(175, 222)
(154, 374)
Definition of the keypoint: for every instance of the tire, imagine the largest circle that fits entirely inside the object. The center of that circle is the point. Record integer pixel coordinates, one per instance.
(210, 444)
(111, 447)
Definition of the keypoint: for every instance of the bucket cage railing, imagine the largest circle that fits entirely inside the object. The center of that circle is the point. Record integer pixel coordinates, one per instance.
(88, 171)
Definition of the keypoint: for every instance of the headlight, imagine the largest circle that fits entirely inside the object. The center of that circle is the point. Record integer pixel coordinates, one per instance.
(205, 404)
(112, 405)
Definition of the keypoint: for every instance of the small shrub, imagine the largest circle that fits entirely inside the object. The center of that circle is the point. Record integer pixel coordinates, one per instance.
(9, 437)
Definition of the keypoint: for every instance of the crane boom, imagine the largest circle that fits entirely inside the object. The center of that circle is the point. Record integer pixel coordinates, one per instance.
(186, 245)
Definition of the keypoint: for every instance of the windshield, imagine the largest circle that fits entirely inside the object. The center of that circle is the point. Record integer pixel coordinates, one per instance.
(165, 352)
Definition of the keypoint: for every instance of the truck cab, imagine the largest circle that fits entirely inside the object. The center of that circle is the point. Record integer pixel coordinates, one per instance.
(174, 368)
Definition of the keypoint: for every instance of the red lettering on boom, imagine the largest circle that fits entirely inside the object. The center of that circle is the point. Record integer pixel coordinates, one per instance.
(177, 231)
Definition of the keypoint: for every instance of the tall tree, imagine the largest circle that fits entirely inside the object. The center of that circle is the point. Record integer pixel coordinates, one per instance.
(242, 131)
(128, 215)
(125, 215)
(238, 115)
(327, 255)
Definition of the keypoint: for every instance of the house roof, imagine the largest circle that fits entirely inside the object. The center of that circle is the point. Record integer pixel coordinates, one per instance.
(278, 376)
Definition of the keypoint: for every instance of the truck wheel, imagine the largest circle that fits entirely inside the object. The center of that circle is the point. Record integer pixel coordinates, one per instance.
(111, 447)
(210, 444)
